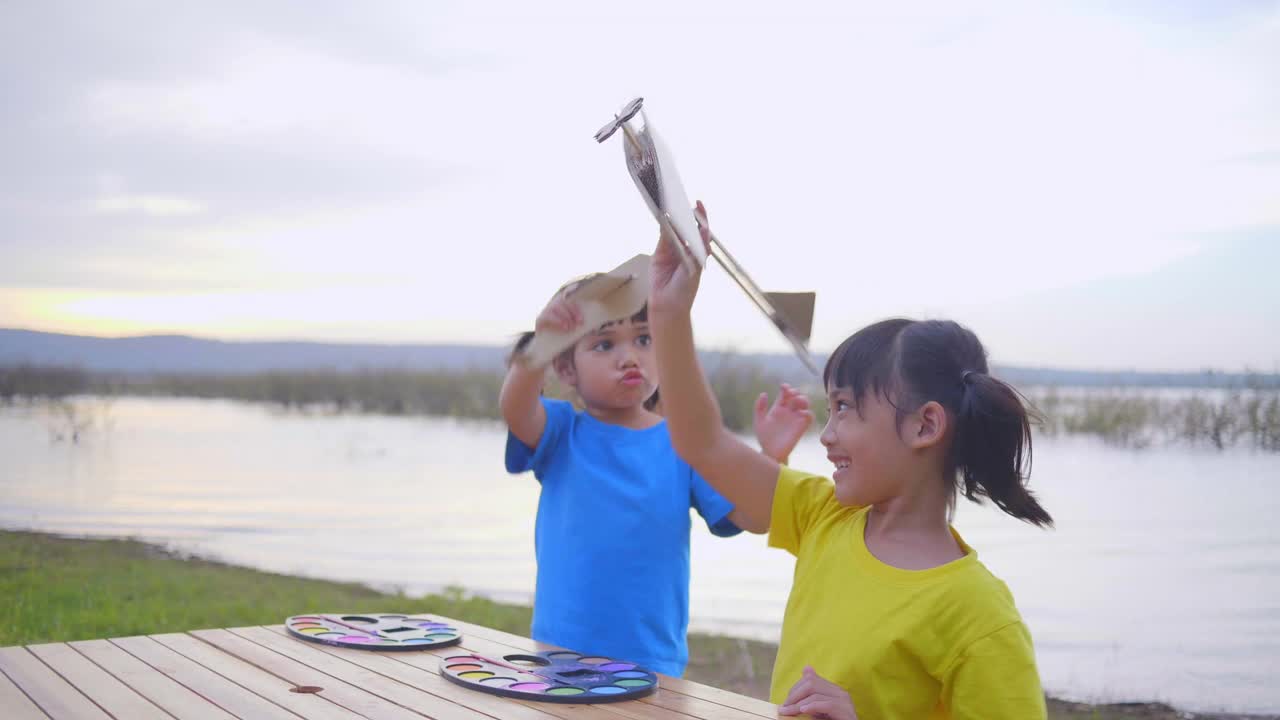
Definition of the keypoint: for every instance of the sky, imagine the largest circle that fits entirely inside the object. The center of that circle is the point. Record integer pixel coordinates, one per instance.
(1085, 184)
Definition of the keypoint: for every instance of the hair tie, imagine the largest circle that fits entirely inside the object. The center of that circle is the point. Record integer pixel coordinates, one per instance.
(964, 376)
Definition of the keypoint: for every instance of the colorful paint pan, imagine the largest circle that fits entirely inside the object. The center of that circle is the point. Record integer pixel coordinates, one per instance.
(558, 676)
(374, 631)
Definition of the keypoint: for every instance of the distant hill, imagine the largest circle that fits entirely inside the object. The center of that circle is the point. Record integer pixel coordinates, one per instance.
(183, 354)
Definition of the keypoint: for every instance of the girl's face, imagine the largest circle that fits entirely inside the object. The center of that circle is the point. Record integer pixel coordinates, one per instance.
(864, 444)
(613, 367)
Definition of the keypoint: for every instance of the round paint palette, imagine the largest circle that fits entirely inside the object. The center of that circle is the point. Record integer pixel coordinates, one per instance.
(373, 632)
(559, 676)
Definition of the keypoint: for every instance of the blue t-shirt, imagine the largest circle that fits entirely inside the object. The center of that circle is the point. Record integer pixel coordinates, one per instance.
(612, 537)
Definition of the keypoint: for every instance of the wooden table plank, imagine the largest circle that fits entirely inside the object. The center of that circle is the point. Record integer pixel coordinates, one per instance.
(250, 672)
(255, 679)
(430, 660)
(699, 700)
(404, 695)
(16, 703)
(336, 691)
(685, 687)
(645, 711)
(103, 688)
(54, 695)
(397, 666)
(695, 706)
(159, 688)
(662, 705)
(213, 687)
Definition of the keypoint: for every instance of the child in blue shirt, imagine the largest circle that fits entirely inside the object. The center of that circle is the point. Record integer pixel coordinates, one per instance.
(613, 523)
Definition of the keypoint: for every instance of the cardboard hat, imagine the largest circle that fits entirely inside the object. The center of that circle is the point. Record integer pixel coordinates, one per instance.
(602, 298)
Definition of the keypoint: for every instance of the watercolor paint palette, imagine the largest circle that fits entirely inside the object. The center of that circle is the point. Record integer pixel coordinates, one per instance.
(374, 632)
(559, 676)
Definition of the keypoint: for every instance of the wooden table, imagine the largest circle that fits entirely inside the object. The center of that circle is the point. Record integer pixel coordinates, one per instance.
(254, 672)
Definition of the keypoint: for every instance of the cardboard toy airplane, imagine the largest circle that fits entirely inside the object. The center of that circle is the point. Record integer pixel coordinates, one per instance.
(654, 171)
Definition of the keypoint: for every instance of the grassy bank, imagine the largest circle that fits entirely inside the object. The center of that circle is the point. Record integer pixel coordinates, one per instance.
(1242, 417)
(58, 589)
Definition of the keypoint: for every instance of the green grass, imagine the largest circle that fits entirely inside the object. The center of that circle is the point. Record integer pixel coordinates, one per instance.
(56, 589)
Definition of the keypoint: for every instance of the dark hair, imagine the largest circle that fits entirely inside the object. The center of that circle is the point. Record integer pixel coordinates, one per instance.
(522, 342)
(653, 401)
(909, 363)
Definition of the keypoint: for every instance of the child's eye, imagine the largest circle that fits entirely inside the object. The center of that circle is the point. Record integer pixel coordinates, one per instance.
(644, 340)
(840, 406)
(603, 346)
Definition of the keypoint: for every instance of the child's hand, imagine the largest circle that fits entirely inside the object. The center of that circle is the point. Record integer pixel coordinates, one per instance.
(672, 286)
(819, 698)
(560, 315)
(780, 427)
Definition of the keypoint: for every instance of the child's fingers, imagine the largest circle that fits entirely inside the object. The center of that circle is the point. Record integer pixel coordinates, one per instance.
(562, 317)
(823, 686)
(820, 684)
(761, 407)
(801, 690)
(811, 702)
(548, 319)
(798, 692)
(819, 706)
(815, 695)
(796, 402)
(704, 225)
(786, 397)
(665, 256)
(791, 397)
(828, 690)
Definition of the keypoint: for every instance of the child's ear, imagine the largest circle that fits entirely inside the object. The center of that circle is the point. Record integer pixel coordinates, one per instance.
(929, 426)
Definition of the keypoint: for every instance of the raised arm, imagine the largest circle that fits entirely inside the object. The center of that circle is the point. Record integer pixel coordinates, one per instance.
(739, 473)
(520, 397)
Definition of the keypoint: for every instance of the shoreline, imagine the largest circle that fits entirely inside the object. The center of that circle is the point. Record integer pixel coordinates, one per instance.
(143, 588)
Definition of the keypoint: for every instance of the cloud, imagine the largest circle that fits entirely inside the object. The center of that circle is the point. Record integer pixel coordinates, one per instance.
(157, 205)
(1215, 308)
(897, 159)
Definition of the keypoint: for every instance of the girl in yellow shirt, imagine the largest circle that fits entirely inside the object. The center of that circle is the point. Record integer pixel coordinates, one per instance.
(891, 616)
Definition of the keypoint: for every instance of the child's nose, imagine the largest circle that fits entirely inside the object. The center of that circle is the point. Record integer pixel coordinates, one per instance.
(828, 436)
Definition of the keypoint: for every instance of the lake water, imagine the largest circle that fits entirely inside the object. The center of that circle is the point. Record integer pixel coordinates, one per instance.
(1162, 581)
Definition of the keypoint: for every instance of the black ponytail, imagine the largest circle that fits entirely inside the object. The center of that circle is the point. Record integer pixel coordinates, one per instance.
(909, 363)
(992, 447)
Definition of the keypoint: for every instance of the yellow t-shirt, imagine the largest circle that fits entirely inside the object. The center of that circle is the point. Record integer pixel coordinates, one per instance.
(943, 643)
